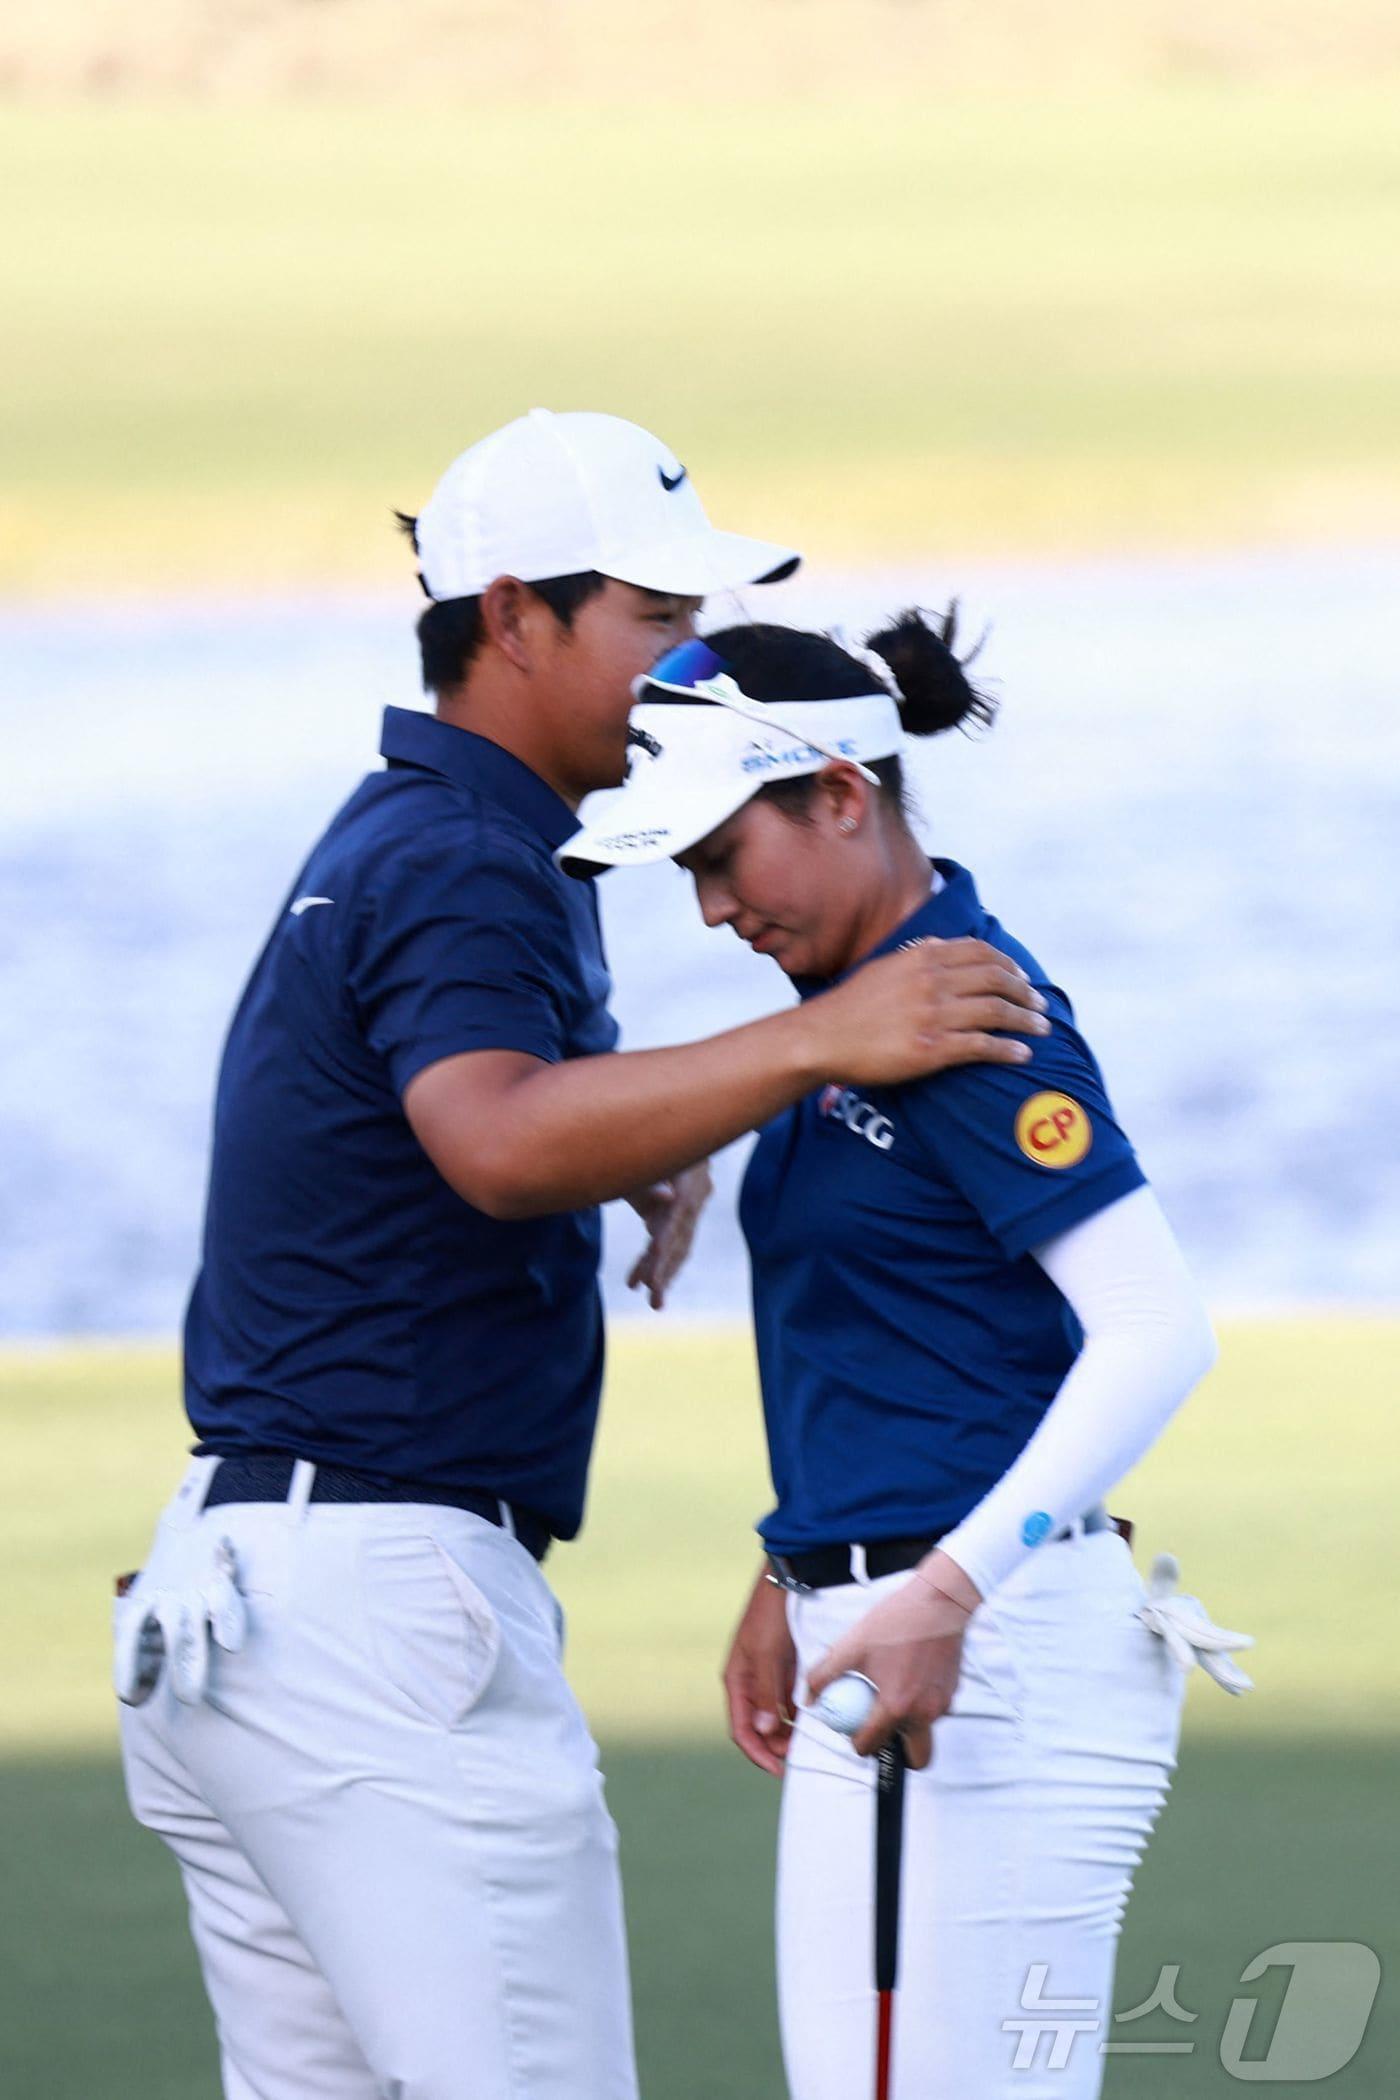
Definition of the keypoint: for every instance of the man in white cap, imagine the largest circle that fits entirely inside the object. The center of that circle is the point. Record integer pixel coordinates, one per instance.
(345, 1711)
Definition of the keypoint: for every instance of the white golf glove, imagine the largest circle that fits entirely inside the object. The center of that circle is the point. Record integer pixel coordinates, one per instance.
(1190, 1635)
(176, 1627)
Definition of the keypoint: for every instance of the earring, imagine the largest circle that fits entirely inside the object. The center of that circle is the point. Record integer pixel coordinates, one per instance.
(848, 823)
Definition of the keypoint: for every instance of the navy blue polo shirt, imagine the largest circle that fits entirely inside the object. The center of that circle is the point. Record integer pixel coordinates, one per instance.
(350, 1308)
(908, 1344)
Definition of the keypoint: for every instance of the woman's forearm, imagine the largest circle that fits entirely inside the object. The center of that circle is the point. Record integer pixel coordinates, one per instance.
(1147, 1342)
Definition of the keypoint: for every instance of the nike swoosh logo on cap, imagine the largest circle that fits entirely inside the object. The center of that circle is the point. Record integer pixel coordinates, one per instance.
(305, 903)
(670, 481)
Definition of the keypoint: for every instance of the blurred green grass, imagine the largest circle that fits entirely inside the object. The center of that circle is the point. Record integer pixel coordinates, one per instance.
(1261, 1843)
(1277, 1486)
(235, 337)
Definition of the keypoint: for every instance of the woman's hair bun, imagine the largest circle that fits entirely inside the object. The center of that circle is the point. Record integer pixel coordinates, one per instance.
(935, 692)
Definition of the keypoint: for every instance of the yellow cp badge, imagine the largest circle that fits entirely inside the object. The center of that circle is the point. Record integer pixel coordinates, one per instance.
(1053, 1130)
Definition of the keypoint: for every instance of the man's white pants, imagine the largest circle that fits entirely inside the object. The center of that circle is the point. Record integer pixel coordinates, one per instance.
(1019, 1848)
(388, 1813)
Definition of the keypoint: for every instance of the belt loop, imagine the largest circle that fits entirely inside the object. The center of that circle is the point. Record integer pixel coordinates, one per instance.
(193, 1491)
(507, 1517)
(299, 1493)
(782, 1578)
(859, 1570)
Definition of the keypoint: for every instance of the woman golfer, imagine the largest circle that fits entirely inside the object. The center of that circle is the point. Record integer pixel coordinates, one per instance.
(972, 1319)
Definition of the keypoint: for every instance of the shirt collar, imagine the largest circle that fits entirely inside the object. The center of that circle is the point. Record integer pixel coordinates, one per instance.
(412, 737)
(950, 912)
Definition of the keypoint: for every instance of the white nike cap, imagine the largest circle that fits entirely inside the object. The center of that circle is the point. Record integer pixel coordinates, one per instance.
(557, 495)
(701, 749)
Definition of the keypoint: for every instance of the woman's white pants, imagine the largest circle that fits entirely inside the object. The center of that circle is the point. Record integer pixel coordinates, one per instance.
(1020, 1843)
(402, 1877)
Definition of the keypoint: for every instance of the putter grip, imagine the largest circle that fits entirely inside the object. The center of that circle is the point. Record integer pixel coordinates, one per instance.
(889, 1847)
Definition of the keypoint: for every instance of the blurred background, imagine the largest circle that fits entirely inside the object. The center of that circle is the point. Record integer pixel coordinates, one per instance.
(1091, 322)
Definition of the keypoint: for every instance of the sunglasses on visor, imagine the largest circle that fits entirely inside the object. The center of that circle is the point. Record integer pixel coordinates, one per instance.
(694, 667)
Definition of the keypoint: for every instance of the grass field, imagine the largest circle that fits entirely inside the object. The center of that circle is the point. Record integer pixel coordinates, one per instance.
(1277, 1488)
(236, 336)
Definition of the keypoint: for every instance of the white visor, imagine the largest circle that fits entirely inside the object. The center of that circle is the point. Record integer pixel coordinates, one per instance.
(701, 751)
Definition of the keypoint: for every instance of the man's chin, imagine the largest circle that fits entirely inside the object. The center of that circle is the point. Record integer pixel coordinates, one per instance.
(613, 776)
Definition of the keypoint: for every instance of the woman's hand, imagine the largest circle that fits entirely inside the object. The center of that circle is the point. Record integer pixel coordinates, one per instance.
(670, 1210)
(910, 1647)
(760, 1678)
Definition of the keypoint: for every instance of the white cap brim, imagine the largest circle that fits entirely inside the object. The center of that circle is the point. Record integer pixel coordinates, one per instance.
(699, 564)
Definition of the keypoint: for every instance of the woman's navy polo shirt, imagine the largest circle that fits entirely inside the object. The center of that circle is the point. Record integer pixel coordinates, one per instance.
(350, 1308)
(908, 1344)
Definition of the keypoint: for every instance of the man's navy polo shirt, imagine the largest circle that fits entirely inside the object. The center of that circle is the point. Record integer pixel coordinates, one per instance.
(350, 1308)
(908, 1344)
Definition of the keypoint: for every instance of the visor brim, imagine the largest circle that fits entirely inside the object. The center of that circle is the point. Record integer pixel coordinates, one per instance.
(706, 750)
(635, 830)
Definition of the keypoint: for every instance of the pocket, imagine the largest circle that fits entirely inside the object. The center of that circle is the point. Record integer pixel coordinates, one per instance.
(432, 1633)
(1096, 1682)
(990, 1686)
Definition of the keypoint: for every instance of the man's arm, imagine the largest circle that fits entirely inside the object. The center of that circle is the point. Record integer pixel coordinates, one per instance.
(518, 1137)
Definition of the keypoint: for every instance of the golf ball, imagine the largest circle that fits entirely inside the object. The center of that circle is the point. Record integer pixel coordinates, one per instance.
(847, 1704)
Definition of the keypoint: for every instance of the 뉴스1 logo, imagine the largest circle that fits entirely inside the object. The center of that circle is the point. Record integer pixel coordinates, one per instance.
(1053, 1130)
(857, 1115)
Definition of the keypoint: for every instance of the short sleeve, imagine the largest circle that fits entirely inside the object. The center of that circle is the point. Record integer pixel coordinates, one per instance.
(1035, 1148)
(460, 947)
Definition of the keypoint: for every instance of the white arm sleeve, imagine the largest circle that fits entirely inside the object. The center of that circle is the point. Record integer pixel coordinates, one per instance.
(1147, 1341)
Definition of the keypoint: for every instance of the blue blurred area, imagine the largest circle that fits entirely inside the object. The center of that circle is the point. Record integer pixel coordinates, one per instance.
(1188, 809)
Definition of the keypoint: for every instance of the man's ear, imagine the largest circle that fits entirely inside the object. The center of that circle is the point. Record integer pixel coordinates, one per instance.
(507, 607)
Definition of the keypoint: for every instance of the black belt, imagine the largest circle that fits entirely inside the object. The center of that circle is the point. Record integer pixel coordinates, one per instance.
(266, 1476)
(826, 1567)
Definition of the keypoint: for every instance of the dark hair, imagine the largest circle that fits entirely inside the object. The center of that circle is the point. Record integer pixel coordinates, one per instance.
(932, 688)
(449, 632)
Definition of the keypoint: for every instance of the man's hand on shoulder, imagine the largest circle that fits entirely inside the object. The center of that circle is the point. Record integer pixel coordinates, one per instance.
(922, 1009)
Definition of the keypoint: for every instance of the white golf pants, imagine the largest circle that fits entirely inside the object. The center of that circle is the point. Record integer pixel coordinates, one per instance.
(1020, 1843)
(387, 1809)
